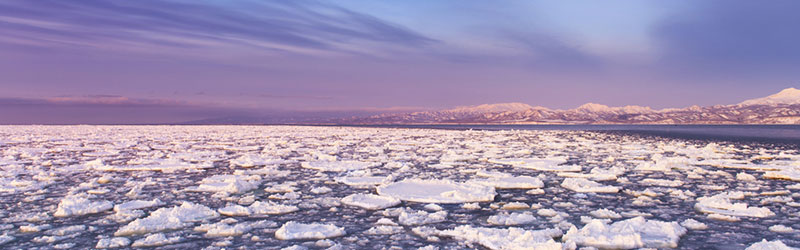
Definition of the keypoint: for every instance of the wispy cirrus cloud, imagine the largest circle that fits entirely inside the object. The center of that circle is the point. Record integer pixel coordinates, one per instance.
(306, 27)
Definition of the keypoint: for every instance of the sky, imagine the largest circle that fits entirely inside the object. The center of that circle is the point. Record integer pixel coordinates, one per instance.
(154, 61)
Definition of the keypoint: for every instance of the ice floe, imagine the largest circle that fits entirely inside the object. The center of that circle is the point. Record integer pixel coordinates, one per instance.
(694, 224)
(721, 204)
(229, 183)
(437, 191)
(269, 207)
(792, 174)
(222, 229)
(587, 186)
(554, 164)
(632, 233)
(138, 204)
(411, 180)
(781, 229)
(314, 231)
(518, 182)
(165, 219)
(154, 240)
(234, 210)
(508, 238)
(511, 219)
(115, 242)
(770, 245)
(76, 206)
(604, 213)
(415, 218)
(337, 166)
(365, 180)
(370, 201)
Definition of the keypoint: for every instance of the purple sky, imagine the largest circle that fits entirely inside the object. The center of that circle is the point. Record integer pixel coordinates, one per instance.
(153, 61)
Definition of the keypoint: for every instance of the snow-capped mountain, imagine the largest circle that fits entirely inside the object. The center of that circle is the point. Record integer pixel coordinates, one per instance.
(780, 108)
(787, 96)
(600, 108)
(492, 108)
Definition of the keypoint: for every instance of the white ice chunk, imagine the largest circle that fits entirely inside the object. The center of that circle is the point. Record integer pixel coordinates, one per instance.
(506, 239)
(315, 231)
(433, 207)
(694, 225)
(337, 166)
(597, 174)
(512, 219)
(137, 204)
(781, 229)
(471, 206)
(370, 201)
(515, 206)
(221, 229)
(76, 206)
(721, 204)
(364, 180)
(546, 212)
(745, 177)
(165, 219)
(627, 234)
(542, 164)
(229, 183)
(587, 186)
(661, 182)
(415, 218)
(155, 240)
(437, 191)
(384, 230)
(234, 210)
(163, 165)
(269, 207)
(321, 190)
(67, 230)
(770, 245)
(115, 242)
(792, 174)
(250, 160)
(723, 217)
(519, 182)
(604, 213)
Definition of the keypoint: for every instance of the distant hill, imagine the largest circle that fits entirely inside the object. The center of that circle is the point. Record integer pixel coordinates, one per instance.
(780, 108)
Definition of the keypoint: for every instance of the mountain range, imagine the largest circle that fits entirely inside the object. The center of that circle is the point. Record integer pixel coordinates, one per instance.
(780, 108)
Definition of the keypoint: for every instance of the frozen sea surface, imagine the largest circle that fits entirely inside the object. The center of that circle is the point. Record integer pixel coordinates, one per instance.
(273, 187)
